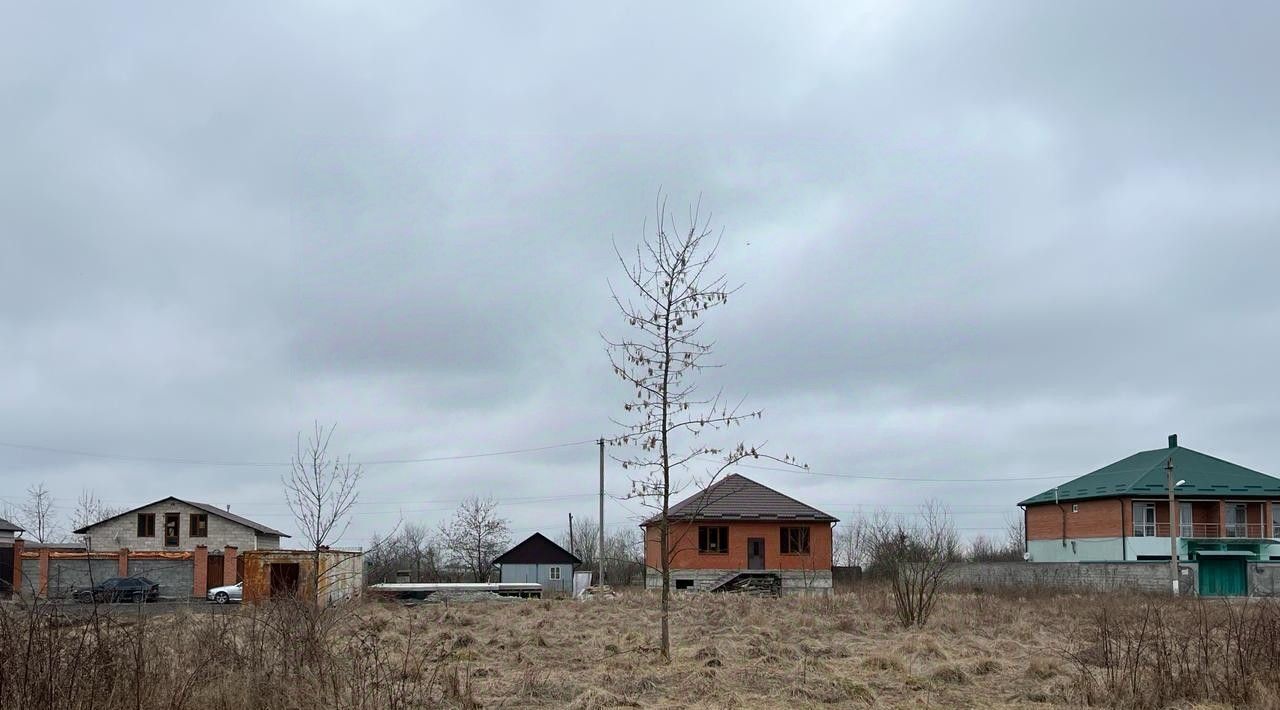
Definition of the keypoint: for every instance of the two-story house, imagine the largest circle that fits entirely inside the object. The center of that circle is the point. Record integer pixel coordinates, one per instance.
(1224, 515)
(176, 524)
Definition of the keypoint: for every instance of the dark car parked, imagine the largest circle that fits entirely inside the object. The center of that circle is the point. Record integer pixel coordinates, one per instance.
(121, 589)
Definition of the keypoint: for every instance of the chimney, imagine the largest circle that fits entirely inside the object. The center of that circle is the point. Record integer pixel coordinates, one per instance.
(1173, 442)
(229, 505)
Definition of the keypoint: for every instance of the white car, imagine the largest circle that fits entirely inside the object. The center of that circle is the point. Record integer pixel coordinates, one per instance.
(222, 595)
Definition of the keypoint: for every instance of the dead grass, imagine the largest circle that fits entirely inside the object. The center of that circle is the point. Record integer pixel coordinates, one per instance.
(847, 651)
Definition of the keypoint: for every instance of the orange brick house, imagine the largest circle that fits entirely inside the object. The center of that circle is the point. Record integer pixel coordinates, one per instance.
(736, 530)
(1225, 516)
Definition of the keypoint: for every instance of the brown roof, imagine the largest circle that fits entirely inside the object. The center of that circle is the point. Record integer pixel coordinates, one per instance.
(257, 527)
(739, 498)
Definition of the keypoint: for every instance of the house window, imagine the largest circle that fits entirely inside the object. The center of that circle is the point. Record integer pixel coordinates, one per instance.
(1275, 520)
(146, 524)
(1237, 520)
(554, 573)
(795, 541)
(1075, 507)
(684, 583)
(1144, 519)
(199, 525)
(1186, 523)
(713, 539)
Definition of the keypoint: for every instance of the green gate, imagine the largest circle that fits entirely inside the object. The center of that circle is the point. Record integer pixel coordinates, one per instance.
(1223, 577)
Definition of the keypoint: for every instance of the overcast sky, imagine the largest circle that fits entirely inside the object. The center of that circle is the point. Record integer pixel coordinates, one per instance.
(999, 242)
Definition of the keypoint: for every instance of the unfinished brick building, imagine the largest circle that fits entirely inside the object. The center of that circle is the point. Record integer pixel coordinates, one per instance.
(738, 530)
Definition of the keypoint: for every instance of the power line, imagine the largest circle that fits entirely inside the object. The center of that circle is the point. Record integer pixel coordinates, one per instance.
(805, 471)
(504, 452)
(279, 464)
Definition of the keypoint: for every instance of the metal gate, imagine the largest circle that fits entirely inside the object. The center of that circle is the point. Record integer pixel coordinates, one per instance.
(1223, 577)
(6, 570)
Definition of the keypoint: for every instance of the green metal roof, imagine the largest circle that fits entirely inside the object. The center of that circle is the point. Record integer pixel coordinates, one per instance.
(1143, 475)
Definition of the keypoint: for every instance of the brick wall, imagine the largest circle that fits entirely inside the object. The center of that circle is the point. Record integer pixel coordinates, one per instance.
(123, 531)
(1100, 576)
(1093, 518)
(685, 555)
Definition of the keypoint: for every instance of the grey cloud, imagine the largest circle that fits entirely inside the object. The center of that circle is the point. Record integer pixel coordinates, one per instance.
(976, 240)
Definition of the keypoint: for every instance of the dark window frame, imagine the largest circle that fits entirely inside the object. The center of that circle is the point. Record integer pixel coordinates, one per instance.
(177, 530)
(713, 539)
(794, 540)
(146, 524)
(198, 525)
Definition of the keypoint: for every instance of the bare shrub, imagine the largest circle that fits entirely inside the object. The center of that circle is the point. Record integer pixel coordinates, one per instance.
(1156, 652)
(914, 556)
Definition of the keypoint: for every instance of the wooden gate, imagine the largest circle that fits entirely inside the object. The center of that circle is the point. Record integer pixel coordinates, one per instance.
(215, 568)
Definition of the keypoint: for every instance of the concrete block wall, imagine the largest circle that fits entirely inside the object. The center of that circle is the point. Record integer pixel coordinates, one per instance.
(793, 582)
(123, 531)
(1264, 579)
(30, 577)
(68, 574)
(175, 577)
(1096, 576)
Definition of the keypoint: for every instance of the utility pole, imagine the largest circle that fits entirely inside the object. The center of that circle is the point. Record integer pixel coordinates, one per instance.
(1173, 530)
(571, 550)
(600, 551)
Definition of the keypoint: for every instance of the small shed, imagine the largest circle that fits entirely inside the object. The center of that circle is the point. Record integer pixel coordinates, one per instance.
(540, 560)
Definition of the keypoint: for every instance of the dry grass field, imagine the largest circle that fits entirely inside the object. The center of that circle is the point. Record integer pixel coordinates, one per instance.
(979, 651)
(736, 652)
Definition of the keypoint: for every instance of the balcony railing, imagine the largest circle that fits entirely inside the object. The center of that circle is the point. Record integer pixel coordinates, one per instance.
(1207, 530)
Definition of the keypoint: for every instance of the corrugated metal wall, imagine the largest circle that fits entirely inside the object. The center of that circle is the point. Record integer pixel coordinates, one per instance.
(540, 574)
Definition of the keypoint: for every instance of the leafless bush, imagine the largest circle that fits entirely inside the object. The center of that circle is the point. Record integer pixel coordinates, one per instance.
(913, 556)
(1156, 652)
(259, 657)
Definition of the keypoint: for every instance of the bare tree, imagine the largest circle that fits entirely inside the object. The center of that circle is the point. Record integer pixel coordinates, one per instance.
(413, 549)
(914, 554)
(850, 542)
(36, 514)
(90, 509)
(668, 293)
(474, 536)
(1015, 533)
(321, 491)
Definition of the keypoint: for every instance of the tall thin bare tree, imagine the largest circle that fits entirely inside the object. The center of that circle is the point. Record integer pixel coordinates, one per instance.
(36, 513)
(666, 294)
(321, 490)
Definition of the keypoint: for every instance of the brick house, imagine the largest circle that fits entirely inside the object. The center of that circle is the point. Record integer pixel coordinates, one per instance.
(1225, 515)
(172, 524)
(737, 530)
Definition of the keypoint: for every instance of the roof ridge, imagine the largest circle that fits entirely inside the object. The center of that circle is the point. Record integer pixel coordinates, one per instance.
(783, 506)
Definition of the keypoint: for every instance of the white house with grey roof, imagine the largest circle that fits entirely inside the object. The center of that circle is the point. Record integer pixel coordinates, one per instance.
(176, 524)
